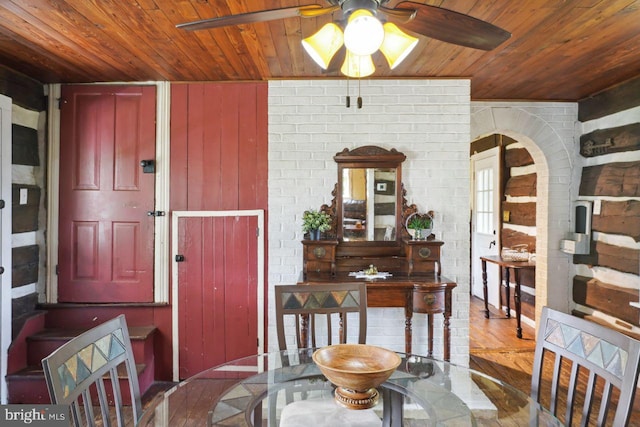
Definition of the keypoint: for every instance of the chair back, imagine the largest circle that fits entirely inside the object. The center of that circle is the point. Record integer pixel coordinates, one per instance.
(77, 371)
(310, 303)
(593, 368)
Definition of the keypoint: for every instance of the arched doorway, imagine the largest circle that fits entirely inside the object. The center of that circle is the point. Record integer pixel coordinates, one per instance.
(550, 144)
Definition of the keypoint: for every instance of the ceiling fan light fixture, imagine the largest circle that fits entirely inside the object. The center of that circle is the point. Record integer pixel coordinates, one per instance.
(397, 44)
(357, 66)
(324, 44)
(364, 33)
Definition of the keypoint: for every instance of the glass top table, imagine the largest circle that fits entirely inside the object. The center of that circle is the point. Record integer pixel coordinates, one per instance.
(257, 390)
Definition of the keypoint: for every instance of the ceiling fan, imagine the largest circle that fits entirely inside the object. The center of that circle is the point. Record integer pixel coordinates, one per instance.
(371, 26)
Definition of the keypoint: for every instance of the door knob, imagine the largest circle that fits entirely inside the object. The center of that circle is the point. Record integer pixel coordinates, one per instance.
(492, 243)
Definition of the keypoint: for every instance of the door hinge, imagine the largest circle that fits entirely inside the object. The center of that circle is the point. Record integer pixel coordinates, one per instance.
(61, 102)
(155, 213)
(257, 231)
(179, 258)
(57, 269)
(2, 204)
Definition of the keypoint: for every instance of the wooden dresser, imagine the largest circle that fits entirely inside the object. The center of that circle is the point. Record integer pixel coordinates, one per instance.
(369, 213)
(415, 285)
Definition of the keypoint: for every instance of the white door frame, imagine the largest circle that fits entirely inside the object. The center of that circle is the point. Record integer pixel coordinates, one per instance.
(483, 248)
(175, 217)
(5, 241)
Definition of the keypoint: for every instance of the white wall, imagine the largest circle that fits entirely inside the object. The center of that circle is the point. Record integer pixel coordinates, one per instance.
(427, 120)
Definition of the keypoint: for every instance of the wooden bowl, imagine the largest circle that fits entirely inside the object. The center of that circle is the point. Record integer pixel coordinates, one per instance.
(356, 370)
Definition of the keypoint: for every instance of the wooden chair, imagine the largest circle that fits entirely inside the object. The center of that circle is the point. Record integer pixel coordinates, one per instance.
(581, 349)
(76, 371)
(320, 301)
(333, 302)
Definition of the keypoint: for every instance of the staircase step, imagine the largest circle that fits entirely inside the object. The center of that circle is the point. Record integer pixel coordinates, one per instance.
(45, 342)
(28, 385)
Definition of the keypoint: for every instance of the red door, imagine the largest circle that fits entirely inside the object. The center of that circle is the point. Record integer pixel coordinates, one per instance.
(106, 246)
(217, 291)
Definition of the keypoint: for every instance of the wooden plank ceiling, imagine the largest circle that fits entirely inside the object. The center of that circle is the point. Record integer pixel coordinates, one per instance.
(559, 50)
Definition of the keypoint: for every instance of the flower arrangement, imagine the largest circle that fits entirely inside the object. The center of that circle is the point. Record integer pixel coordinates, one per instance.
(315, 220)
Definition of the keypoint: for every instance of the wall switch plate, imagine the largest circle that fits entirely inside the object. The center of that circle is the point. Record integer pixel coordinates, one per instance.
(597, 205)
(24, 194)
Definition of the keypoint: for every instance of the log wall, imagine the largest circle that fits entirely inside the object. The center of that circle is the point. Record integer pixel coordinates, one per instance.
(607, 279)
(27, 201)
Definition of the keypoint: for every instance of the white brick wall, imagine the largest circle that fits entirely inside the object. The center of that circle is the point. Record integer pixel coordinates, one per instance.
(427, 120)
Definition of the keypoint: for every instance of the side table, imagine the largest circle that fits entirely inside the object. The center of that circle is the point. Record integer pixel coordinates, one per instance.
(516, 266)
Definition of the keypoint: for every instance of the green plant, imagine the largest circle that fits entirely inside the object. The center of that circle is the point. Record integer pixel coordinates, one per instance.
(419, 222)
(315, 220)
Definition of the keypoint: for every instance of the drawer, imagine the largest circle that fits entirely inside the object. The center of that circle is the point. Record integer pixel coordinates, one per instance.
(320, 252)
(318, 267)
(425, 253)
(428, 302)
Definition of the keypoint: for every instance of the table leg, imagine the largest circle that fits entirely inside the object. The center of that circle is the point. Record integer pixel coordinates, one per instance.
(507, 291)
(430, 331)
(447, 331)
(408, 315)
(516, 298)
(392, 410)
(484, 289)
(447, 336)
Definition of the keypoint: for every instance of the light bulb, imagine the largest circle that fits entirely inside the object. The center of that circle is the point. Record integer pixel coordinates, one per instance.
(364, 33)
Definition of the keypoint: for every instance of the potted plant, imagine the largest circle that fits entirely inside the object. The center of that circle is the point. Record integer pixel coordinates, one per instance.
(421, 224)
(315, 222)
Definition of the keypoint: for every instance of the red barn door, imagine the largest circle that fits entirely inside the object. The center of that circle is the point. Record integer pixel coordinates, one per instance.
(217, 289)
(106, 238)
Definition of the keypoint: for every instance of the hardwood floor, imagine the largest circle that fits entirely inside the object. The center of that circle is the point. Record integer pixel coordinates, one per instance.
(495, 350)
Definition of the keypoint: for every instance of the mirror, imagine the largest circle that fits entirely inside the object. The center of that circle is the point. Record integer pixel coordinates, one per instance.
(369, 197)
(368, 204)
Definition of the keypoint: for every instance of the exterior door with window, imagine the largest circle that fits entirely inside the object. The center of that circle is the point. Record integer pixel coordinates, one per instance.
(106, 237)
(485, 167)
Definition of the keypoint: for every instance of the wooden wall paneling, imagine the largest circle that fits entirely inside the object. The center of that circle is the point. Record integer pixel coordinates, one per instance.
(25, 216)
(179, 140)
(252, 149)
(25, 260)
(618, 258)
(234, 102)
(262, 150)
(607, 298)
(521, 185)
(196, 149)
(613, 140)
(618, 218)
(618, 98)
(620, 179)
(24, 146)
(515, 157)
(23, 91)
(527, 301)
(520, 213)
(510, 237)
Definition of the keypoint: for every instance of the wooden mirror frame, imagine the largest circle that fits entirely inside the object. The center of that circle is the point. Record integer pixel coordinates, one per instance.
(369, 156)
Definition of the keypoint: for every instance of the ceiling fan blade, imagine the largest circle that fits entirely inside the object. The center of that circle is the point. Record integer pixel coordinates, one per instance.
(399, 15)
(308, 11)
(452, 27)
